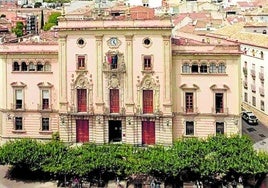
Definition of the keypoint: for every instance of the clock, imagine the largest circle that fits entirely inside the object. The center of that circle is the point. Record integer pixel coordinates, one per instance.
(113, 41)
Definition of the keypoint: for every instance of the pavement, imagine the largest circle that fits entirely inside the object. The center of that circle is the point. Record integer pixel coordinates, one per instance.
(258, 133)
(9, 183)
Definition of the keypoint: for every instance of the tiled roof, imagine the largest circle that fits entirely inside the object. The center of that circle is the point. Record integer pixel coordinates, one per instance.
(236, 32)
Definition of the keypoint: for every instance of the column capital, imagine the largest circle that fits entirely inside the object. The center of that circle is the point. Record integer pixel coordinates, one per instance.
(129, 36)
(98, 37)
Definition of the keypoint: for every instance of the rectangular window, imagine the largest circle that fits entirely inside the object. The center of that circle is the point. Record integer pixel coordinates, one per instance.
(245, 97)
(81, 62)
(81, 100)
(45, 99)
(189, 102)
(203, 68)
(219, 128)
(219, 102)
(189, 128)
(45, 124)
(18, 123)
(114, 61)
(148, 101)
(253, 101)
(114, 100)
(262, 105)
(19, 98)
(147, 63)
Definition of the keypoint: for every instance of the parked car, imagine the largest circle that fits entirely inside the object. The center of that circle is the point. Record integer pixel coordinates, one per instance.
(250, 118)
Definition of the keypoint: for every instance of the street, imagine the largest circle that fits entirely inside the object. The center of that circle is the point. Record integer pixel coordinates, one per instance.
(258, 133)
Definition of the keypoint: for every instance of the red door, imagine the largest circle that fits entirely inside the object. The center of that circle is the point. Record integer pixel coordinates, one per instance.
(114, 100)
(82, 132)
(148, 132)
(82, 100)
(148, 101)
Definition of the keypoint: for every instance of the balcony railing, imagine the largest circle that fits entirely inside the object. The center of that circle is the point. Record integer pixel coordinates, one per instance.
(245, 84)
(253, 73)
(261, 91)
(218, 110)
(253, 87)
(44, 107)
(118, 68)
(190, 110)
(261, 76)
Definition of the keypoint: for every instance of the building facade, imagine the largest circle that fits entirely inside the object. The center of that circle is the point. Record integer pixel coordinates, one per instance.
(119, 80)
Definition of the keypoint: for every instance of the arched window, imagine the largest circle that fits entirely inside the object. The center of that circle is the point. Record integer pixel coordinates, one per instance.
(47, 67)
(222, 68)
(16, 66)
(212, 68)
(186, 68)
(203, 68)
(31, 66)
(194, 68)
(40, 66)
(24, 66)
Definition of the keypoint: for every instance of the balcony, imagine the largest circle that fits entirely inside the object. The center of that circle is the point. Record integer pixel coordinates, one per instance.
(192, 110)
(113, 68)
(253, 88)
(261, 76)
(253, 73)
(218, 111)
(245, 71)
(261, 91)
(245, 84)
(44, 108)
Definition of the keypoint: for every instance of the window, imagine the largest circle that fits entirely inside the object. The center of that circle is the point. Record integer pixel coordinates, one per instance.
(253, 101)
(81, 64)
(222, 68)
(47, 67)
(219, 128)
(24, 66)
(114, 100)
(147, 63)
(16, 66)
(45, 124)
(194, 68)
(245, 97)
(262, 105)
(31, 67)
(189, 128)
(189, 106)
(18, 123)
(81, 100)
(261, 53)
(147, 101)
(18, 98)
(112, 60)
(40, 67)
(186, 68)
(212, 68)
(219, 102)
(45, 99)
(203, 68)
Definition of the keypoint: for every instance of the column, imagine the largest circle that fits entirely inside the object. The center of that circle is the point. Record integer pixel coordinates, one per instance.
(129, 75)
(167, 74)
(99, 82)
(62, 74)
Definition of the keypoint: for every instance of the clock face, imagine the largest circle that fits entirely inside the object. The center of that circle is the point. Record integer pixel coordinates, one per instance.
(113, 41)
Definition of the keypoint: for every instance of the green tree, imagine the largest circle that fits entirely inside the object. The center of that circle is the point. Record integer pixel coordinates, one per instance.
(18, 30)
(52, 20)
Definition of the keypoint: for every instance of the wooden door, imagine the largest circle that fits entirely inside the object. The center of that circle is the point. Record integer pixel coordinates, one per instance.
(148, 132)
(81, 100)
(82, 131)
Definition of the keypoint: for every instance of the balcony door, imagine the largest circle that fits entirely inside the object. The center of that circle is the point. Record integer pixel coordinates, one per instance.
(148, 132)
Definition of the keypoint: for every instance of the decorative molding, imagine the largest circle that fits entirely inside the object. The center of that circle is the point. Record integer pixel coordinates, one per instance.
(193, 87)
(18, 84)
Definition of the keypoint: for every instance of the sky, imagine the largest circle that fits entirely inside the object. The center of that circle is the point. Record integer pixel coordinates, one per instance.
(152, 3)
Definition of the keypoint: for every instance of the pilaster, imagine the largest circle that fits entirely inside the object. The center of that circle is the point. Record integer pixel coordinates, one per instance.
(129, 76)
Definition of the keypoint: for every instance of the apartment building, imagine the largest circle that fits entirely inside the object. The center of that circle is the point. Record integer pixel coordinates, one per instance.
(253, 66)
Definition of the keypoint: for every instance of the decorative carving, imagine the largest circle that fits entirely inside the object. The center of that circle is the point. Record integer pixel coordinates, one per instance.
(82, 82)
(114, 82)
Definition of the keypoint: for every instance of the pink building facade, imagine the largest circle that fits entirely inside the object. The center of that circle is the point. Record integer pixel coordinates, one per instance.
(121, 81)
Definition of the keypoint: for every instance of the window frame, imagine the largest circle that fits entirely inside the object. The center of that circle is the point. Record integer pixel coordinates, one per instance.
(81, 61)
(18, 119)
(213, 68)
(191, 129)
(16, 98)
(219, 123)
(16, 66)
(186, 68)
(222, 68)
(147, 61)
(43, 125)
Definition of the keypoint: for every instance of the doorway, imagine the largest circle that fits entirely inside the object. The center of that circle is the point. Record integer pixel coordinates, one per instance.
(115, 131)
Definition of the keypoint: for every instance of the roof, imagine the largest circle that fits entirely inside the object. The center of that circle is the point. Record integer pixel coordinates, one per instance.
(236, 32)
